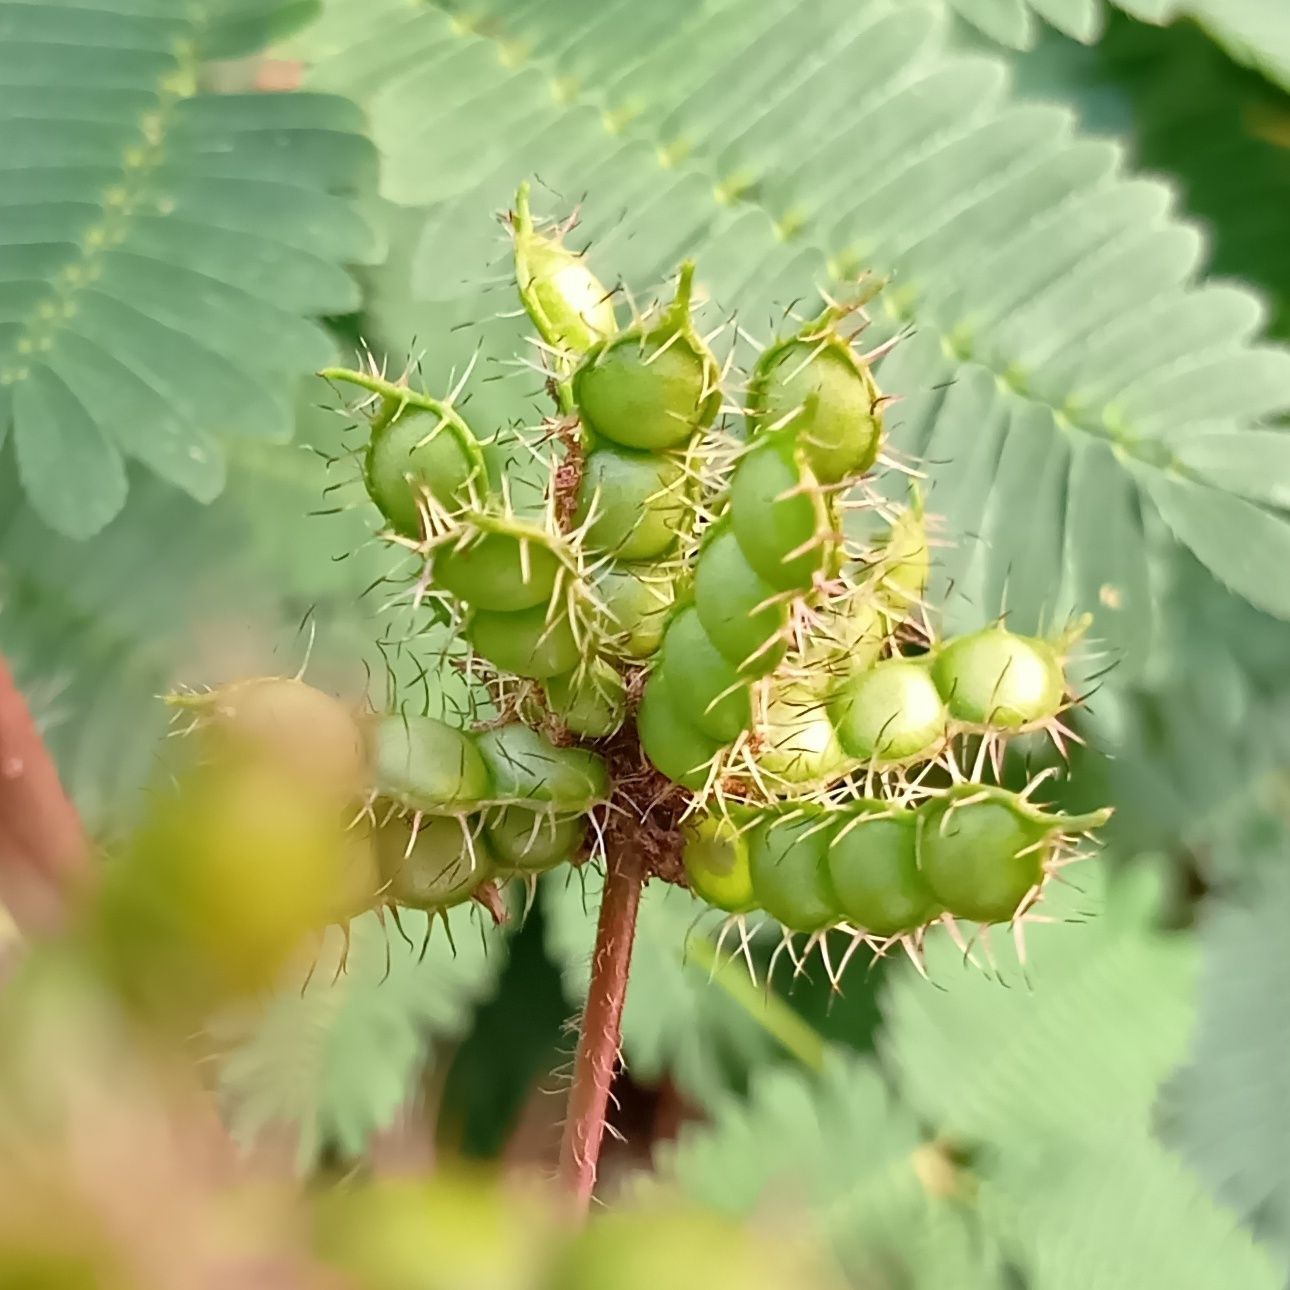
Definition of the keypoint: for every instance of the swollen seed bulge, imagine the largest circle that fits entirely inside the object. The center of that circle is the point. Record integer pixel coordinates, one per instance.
(427, 765)
(998, 680)
(528, 643)
(567, 303)
(738, 609)
(526, 767)
(980, 853)
(703, 684)
(529, 841)
(796, 741)
(778, 515)
(637, 601)
(891, 713)
(644, 393)
(438, 868)
(906, 562)
(301, 729)
(416, 455)
(826, 396)
(716, 862)
(498, 571)
(591, 700)
(786, 860)
(675, 748)
(873, 869)
(637, 502)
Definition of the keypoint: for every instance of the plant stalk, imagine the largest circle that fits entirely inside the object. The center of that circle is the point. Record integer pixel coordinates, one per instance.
(598, 1045)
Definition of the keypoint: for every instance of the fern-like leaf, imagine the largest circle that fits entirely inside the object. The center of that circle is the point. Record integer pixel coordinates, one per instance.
(840, 1150)
(1256, 32)
(162, 249)
(334, 1064)
(1230, 1109)
(1062, 354)
(1081, 1040)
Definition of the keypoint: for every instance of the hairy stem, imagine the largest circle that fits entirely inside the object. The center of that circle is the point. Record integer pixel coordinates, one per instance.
(43, 849)
(598, 1045)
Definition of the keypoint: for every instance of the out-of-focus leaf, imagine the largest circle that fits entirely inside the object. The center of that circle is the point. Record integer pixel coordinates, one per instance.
(839, 1148)
(335, 1063)
(1229, 1110)
(163, 251)
(1076, 1043)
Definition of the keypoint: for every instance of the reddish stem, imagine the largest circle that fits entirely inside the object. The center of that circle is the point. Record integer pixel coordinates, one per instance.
(598, 1045)
(43, 849)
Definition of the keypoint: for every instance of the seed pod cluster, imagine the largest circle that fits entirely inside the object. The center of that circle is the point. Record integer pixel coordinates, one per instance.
(693, 605)
(880, 870)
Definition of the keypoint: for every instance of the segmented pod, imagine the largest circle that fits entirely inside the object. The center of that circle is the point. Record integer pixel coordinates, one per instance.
(499, 564)
(704, 686)
(526, 841)
(566, 301)
(424, 764)
(796, 743)
(633, 505)
(983, 850)
(591, 700)
(889, 713)
(637, 600)
(872, 864)
(998, 680)
(715, 854)
(527, 769)
(818, 388)
(535, 643)
(435, 866)
(675, 747)
(779, 516)
(654, 386)
(786, 861)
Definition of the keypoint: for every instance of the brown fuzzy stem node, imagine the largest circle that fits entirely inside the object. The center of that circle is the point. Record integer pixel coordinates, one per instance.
(598, 1045)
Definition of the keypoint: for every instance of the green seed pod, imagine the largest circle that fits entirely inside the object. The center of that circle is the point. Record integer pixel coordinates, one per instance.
(796, 741)
(779, 516)
(528, 841)
(873, 870)
(427, 765)
(905, 564)
(716, 863)
(568, 305)
(742, 614)
(439, 868)
(508, 566)
(527, 768)
(636, 500)
(889, 714)
(418, 451)
(530, 643)
(851, 635)
(703, 684)
(817, 387)
(983, 849)
(591, 700)
(786, 859)
(302, 729)
(638, 600)
(995, 679)
(652, 387)
(675, 747)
